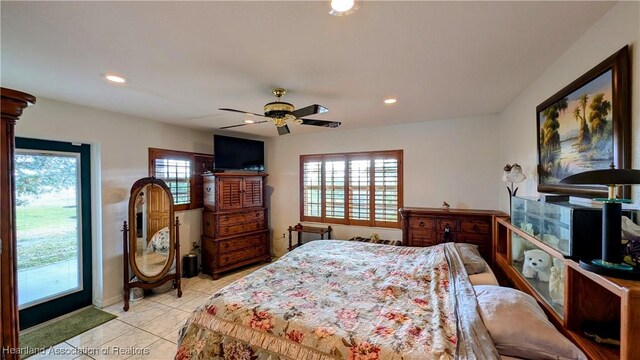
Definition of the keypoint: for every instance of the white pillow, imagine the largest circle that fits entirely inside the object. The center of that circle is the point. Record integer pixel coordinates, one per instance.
(519, 327)
(473, 261)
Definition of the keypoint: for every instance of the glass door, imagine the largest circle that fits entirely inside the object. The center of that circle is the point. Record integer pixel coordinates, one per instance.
(53, 223)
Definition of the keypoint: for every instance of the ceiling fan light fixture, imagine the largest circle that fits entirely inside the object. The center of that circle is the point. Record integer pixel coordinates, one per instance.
(281, 113)
(343, 7)
(278, 109)
(279, 121)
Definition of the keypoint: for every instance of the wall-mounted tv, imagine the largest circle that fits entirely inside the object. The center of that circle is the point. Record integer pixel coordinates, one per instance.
(233, 153)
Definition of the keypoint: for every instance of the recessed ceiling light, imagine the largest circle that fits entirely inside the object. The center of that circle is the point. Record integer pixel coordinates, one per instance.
(115, 78)
(248, 121)
(390, 101)
(343, 7)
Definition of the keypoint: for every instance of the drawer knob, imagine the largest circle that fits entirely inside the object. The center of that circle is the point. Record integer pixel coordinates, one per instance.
(208, 188)
(421, 224)
(226, 259)
(257, 214)
(207, 223)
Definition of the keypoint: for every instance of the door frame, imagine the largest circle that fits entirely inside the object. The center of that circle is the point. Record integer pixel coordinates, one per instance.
(41, 312)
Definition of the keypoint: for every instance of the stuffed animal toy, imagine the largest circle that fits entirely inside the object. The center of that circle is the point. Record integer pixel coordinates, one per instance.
(537, 262)
(527, 227)
(556, 282)
(550, 239)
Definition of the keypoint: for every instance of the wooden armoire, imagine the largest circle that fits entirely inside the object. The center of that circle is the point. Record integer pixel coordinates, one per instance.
(235, 222)
(13, 102)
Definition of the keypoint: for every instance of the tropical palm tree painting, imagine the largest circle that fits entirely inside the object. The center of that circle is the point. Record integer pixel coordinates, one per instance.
(576, 132)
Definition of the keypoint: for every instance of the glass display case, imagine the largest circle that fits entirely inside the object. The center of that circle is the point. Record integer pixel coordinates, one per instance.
(543, 271)
(573, 230)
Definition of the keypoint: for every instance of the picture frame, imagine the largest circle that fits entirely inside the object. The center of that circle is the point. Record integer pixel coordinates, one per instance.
(586, 126)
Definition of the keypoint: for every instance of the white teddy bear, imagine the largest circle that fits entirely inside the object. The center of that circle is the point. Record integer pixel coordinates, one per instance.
(537, 262)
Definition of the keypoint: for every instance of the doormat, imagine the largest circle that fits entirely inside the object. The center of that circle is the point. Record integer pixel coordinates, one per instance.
(64, 329)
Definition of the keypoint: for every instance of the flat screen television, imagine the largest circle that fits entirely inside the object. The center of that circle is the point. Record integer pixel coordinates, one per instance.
(231, 153)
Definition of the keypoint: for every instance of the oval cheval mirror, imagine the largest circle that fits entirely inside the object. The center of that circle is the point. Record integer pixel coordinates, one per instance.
(150, 241)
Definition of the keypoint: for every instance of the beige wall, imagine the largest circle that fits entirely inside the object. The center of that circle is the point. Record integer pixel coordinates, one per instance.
(517, 123)
(119, 157)
(448, 160)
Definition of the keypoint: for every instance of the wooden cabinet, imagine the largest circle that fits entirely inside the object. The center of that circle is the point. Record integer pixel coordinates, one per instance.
(233, 191)
(13, 102)
(431, 226)
(235, 222)
(588, 299)
(202, 163)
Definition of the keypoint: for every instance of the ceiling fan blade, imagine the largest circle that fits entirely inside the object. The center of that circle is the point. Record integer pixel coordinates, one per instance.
(325, 123)
(283, 130)
(309, 110)
(240, 111)
(253, 123)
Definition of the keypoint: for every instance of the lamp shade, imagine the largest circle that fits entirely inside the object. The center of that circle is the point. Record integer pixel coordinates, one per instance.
(604, 177)
(513, 173)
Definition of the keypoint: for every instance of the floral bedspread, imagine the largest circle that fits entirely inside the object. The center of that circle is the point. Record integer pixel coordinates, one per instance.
(342, 300)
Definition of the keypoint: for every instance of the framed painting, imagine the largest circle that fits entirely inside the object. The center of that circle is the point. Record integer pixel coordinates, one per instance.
(586, 126)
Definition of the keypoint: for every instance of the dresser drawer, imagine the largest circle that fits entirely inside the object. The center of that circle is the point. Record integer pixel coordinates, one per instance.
(422, 237)
(240, 229)
(444, 223)
(231, 258)
(422, 223)
(475, 226)
(240, 243)
(231, 219)
(253, 216)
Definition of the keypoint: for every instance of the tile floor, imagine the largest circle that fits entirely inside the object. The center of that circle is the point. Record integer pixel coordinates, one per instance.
(151, 323)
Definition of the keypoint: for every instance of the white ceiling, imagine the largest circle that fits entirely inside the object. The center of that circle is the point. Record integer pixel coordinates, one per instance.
(184, 60)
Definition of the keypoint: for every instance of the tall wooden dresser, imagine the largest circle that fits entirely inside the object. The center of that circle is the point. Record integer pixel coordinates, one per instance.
(431, 226)
(235, 223)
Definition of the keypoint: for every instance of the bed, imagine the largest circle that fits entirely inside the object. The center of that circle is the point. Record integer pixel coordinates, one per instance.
(348, 300)
(344, 300)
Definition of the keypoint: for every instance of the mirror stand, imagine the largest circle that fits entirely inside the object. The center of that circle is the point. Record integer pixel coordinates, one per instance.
(128, 283)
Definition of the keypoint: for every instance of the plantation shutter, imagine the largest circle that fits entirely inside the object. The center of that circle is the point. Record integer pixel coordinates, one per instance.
(354, 188)
(176, 174)
(386, 190)
(334, 184)
(312, 189)
(360, 190)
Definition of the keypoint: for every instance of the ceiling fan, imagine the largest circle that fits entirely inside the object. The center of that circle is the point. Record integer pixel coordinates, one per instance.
(281, 112)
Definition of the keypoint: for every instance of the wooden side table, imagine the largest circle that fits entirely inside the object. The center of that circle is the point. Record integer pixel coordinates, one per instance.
(307, 229)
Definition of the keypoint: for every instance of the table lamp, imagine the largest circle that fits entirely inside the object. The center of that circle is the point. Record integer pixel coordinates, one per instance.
(513, 174)
(611, 262)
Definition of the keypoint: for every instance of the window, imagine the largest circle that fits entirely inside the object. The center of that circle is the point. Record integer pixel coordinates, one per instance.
(352, 188)
(180, 170)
